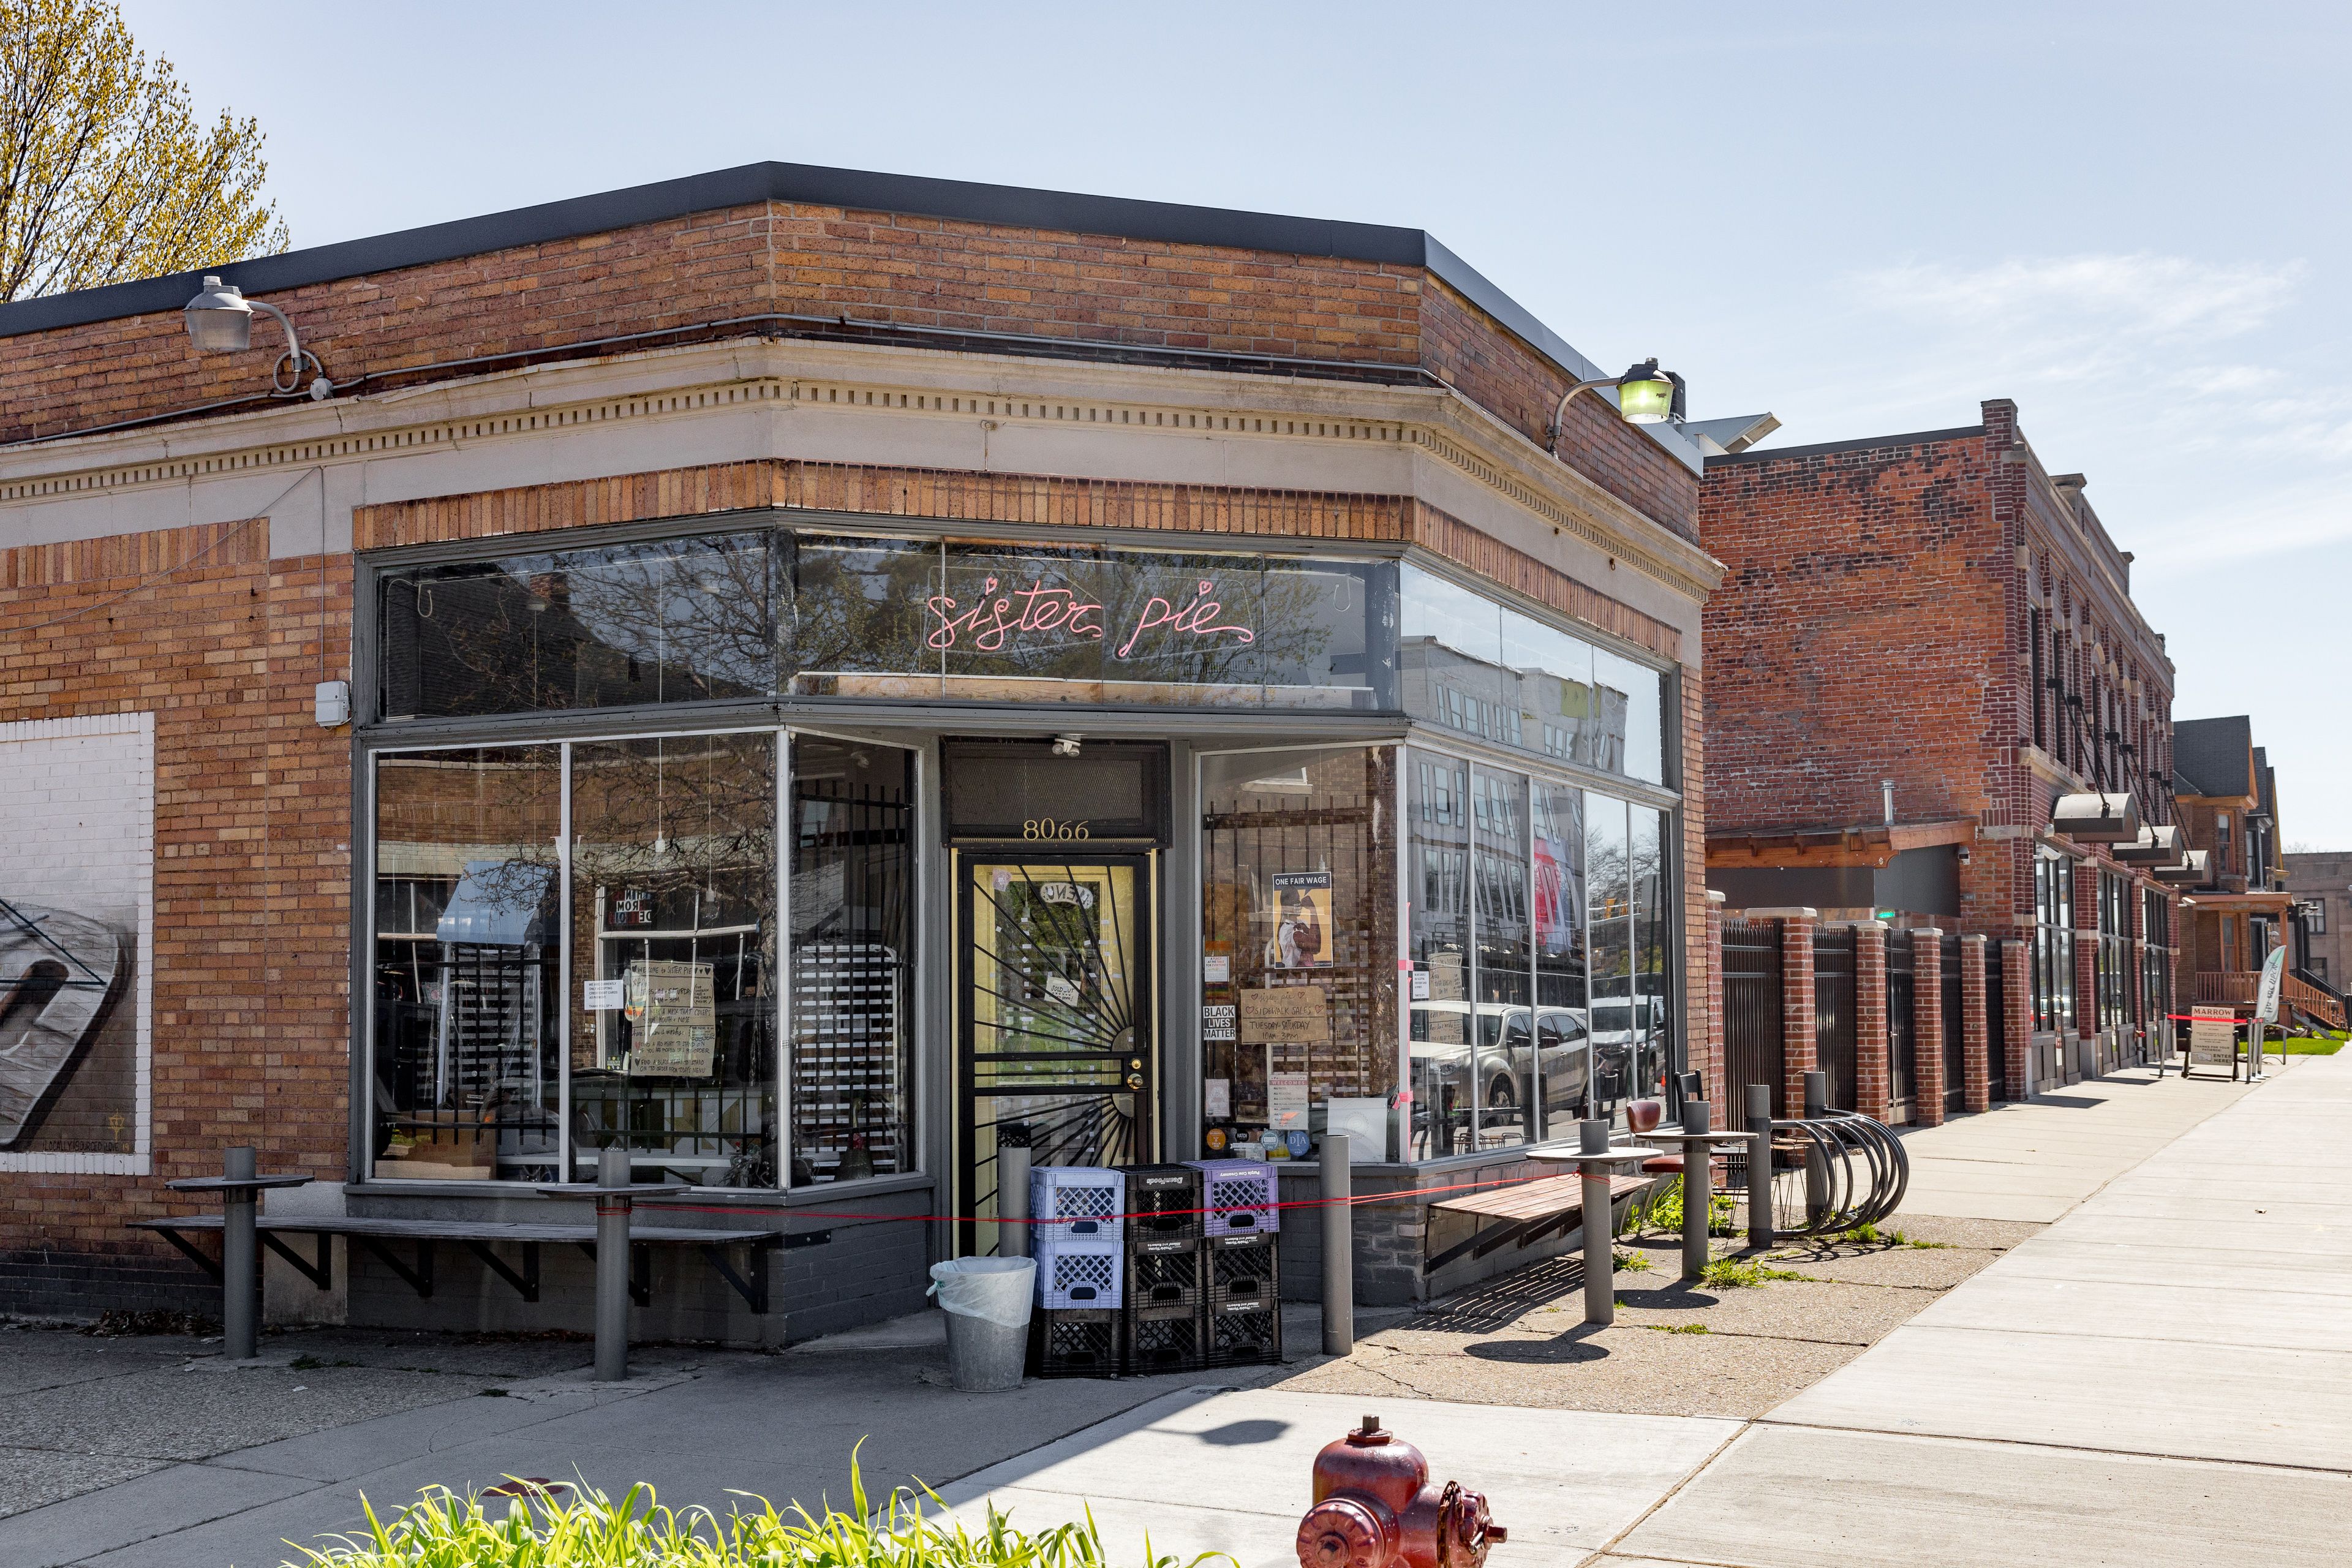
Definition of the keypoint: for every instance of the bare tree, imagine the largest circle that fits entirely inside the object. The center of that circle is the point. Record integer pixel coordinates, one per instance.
(105, 173)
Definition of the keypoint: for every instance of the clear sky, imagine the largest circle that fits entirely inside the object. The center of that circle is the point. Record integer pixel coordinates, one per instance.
(2129, 218)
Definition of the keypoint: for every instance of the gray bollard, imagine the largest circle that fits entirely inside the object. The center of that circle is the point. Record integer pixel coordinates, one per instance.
(1817, 1164)
(612, 1267)
(1760, 1166)
(240, 1258)
(1339, 1248)
(1012, 1159)
(1600, 1241)
(1698, 1187)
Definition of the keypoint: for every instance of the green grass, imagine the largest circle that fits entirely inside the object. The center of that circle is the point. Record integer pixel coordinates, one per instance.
(1632, 1262)
(1871, 1235)
(1666, 1212)
(2304, 1046)
(442, 1530)
(1677, 1328)
(1736, 1273)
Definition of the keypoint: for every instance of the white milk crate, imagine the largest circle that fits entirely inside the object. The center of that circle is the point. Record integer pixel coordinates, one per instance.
(1077, 1273)
(1240, 1196)
(1075, 1202)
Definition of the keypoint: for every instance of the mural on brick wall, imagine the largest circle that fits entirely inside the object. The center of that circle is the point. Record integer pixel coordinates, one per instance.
(76, 863)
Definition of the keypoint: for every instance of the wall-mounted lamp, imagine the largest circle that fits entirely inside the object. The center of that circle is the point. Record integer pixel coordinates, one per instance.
(1645, 396)
(220, 321)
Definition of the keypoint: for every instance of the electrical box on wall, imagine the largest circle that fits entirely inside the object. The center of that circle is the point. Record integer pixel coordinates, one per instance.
(332, 701)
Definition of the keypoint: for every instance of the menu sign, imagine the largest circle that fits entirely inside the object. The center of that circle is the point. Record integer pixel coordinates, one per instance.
(1288, 1014)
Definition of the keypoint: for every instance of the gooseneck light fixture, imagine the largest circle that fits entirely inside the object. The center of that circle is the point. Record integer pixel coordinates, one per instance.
(1645, 396)
(220, 321)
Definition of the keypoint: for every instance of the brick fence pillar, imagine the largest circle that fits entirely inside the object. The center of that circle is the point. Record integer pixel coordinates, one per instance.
(1927, 1027)
(1975, 1026)
(1710, 1065)
(1797, 1017)
(1870, 1018)
(2017, 1028)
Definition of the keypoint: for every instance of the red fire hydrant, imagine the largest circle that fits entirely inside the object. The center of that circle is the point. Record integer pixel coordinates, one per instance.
(1374, 1508)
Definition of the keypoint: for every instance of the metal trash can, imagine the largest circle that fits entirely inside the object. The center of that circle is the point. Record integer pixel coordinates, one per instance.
(987, 1300)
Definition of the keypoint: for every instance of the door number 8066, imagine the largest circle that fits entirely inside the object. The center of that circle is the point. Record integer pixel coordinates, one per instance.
(1046, 827)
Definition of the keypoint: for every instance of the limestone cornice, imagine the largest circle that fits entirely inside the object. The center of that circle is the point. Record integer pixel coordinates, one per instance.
(789, 378)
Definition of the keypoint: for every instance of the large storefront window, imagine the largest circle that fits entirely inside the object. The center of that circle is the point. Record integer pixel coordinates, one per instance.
(1298, 980)
(2054, 943)
(766, 612)
(2156, 959)
(672, 948)
(1541, 953)
(1469, 664)
(2114, 966)
(466, 1079)
(852, 961)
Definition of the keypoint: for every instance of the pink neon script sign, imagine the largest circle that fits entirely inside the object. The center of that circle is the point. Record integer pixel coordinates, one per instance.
(996, 619)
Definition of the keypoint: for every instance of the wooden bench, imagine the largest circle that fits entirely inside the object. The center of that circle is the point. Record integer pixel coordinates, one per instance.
(1526, 1213)
(378, 1237)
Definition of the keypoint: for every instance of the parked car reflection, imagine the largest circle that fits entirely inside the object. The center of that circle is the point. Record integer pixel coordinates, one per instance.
(1517, 1049)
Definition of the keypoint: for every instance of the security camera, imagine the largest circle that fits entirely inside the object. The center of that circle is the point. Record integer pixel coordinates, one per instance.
(1066, 745)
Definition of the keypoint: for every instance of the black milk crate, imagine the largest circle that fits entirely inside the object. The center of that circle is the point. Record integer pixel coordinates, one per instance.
(1172, 1277)
(1243, 1271)
(1243, 1336)
(1163, 1204)
(1075, 1342)
(1173, 1339)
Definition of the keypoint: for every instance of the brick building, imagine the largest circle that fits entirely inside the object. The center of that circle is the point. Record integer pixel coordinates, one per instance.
(713, 669)
(1922, 644)
(2321, 880)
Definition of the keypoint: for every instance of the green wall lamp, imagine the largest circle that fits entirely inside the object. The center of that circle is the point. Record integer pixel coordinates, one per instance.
(1645, 396)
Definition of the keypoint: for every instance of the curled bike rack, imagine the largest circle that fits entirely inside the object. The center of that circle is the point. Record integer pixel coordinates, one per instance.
(1832, 1172)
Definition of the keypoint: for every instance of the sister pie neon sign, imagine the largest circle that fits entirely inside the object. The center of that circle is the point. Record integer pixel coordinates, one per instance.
(995, 620)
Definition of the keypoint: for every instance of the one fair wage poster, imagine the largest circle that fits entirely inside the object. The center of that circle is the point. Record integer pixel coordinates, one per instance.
(672, 1019)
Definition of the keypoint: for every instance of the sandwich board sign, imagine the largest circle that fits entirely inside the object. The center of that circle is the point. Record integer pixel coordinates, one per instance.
(2213, 1038)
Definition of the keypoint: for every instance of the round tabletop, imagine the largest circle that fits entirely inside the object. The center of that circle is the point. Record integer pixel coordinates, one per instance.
(235, 1183)
(1620, 1155)
(1712, 1135)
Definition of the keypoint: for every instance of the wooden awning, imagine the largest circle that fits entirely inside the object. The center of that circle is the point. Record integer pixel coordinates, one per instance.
(1873, 845)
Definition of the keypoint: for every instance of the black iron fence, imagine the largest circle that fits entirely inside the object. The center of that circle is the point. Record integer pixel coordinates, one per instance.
(1902, 1038)
(1834, 972)
(1996, 1022)
(1751, 1006)
(1955, 1050)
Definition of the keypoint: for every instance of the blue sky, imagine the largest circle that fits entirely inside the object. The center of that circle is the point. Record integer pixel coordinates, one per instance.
(2131, 219)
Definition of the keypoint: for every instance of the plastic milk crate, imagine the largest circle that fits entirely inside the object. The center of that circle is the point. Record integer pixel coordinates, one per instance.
(1239, 1195)
(1241, 1272)
(1077, 1273)
(1240, 1336)
(1165, 1278)
(1076, 1203)
(1076, 1342)
(1163, 1205)
(1176, 1342)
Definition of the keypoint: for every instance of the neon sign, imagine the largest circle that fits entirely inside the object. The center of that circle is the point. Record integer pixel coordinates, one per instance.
(995, 619)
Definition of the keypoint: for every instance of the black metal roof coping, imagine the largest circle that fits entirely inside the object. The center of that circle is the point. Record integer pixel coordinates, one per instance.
(957, 200)
(1860, 443)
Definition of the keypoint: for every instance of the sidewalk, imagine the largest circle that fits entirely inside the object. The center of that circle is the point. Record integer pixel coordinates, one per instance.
(2162, 1375)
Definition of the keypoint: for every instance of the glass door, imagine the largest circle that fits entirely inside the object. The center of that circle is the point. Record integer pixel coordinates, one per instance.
(1053, 1011)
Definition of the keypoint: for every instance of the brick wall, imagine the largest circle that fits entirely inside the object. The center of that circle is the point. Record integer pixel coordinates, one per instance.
(250, 873)
(785, 258)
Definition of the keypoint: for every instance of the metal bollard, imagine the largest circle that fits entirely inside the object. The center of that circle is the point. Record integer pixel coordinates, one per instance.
(1817, 1168)
(1760, 1166)
(1012, 1159)
(612, 1267)
(1698, 1187)
(240, 1258)
(1600, 1243)
(1339, 1248)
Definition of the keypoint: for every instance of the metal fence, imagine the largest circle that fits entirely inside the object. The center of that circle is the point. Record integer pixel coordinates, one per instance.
(1833, 1011)
(1996, 1022)
(1902, 1041)
(1954, 1049)
(1751, 1006)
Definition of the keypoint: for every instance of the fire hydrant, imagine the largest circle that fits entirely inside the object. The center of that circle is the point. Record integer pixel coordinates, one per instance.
(1374, 1508)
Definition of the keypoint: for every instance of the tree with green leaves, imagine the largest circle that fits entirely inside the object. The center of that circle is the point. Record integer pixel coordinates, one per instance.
(105, 173)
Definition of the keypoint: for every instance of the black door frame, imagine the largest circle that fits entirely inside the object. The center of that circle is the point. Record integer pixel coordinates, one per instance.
(1143, 857)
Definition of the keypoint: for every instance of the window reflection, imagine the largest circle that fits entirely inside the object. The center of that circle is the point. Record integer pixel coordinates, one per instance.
(852, 1069)
(1652, 937)
(858, 618)
(1437, 888)
(1563, 1043)
(674, 893)
(1615, 1021)
(678, 620)
(464, 1074)
(1504, 987)
(1473, 665)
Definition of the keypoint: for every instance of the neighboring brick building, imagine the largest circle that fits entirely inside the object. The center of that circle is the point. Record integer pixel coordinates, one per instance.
(784, 483)
(1922, 641)
(2321, 880)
